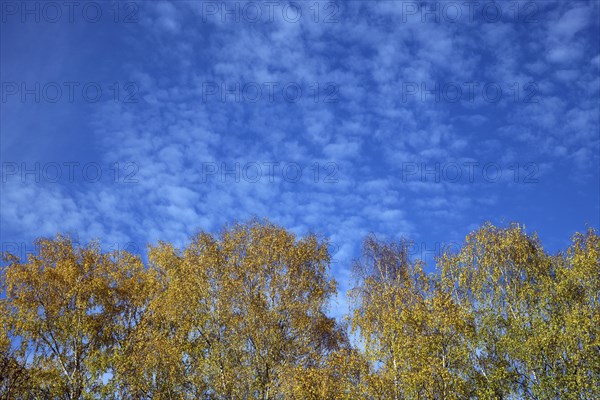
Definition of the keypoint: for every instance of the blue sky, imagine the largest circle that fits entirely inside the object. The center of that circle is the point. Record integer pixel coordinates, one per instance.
(138, 121)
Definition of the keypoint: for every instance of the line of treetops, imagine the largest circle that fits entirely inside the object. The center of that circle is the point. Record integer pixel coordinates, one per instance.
(243, 314)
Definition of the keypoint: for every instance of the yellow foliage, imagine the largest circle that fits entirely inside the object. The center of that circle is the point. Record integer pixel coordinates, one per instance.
(242, 314)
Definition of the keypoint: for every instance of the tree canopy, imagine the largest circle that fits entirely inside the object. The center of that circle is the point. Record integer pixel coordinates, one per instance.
(243, 314)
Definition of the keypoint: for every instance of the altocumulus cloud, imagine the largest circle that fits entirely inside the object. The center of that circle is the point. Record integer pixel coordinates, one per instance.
(341, 118)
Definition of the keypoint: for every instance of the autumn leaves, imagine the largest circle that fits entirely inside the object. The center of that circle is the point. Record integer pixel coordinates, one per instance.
(231, 316)
(242, 314)
(500, 319)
